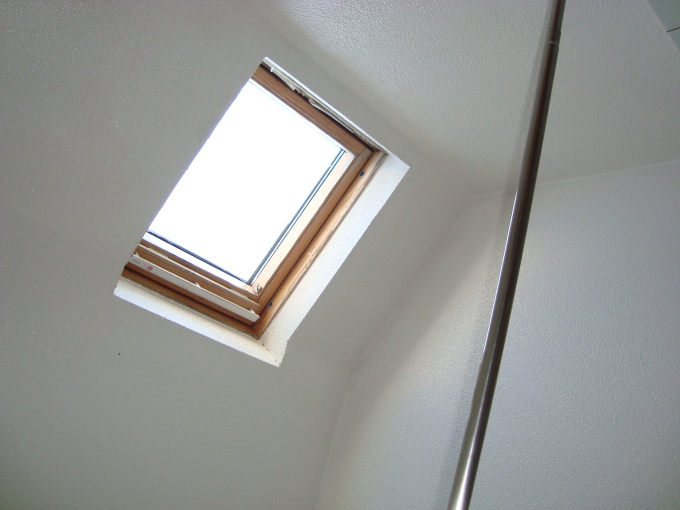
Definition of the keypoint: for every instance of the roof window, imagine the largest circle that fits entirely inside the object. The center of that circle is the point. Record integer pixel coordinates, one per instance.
(254, 208)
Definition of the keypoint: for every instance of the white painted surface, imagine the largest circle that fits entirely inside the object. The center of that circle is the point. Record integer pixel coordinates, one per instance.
(339, 246)
(587, 408)
(103, 106)
(455, 77)
(668, 12)
(171, 310)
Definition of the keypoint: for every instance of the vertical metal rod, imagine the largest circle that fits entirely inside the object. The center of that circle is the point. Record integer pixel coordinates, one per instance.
(471, 449)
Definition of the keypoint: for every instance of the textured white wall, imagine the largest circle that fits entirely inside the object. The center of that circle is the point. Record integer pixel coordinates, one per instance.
(587, 409)
(103, 106)
(103, 404)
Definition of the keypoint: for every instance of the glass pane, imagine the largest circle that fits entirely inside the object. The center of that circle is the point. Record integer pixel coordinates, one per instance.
(247, 183)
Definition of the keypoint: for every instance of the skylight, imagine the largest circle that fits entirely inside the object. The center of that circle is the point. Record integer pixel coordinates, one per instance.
(255, 207)
(247, 185)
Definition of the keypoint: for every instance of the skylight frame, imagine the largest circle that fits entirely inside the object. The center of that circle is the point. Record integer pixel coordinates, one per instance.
(286, 265)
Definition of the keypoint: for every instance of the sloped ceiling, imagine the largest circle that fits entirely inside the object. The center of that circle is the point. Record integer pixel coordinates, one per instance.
(103, 105)
(455, 78)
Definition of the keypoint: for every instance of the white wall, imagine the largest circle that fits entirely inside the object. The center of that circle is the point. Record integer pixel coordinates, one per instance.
(587, 408)
(103, 404)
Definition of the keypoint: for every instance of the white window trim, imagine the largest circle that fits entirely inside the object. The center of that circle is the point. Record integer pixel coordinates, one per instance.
(271, 347)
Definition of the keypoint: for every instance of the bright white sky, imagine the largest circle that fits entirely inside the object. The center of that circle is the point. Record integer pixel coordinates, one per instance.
(246, 183)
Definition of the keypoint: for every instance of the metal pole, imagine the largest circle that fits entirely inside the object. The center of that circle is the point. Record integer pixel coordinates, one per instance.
(471, 449)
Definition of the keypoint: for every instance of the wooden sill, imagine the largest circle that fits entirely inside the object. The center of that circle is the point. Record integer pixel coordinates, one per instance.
(301, 266)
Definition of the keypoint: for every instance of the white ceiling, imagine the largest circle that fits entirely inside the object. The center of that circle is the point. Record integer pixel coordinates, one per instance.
(455, 79)
(102, 107)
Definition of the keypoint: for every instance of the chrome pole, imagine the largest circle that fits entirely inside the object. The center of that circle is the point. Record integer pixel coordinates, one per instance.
(471, 449)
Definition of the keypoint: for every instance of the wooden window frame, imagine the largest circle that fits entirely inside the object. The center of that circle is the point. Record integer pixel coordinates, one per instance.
(250, 307)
